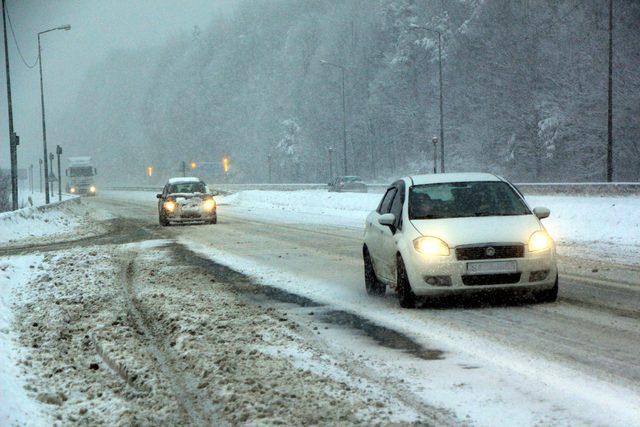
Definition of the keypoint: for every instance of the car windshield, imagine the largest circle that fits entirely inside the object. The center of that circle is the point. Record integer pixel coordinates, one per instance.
(188, 187)
(464, 199)
(81, 171)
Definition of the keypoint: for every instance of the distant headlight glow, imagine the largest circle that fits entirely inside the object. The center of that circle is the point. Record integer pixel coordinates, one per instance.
(431, 246)
(169, 206)
(209, 205)
(92, 189)
(540, 241)
(73, 189)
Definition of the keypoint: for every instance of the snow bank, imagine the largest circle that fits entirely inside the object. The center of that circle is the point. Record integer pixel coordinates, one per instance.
(307, 206)
(608, 225)
(16, 408)
(32, 222)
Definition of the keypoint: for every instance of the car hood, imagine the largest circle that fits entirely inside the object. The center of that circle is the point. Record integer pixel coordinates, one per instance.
(476, 230)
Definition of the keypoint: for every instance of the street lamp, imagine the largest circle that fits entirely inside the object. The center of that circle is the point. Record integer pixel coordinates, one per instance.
(417, 27)
(344, 113)
(44, 127)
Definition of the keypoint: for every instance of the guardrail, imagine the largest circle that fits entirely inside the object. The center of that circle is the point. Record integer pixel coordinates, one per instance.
(576, 188)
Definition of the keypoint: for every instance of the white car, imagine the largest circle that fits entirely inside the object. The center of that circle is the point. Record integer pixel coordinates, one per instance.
(186, 200)
(450, 233)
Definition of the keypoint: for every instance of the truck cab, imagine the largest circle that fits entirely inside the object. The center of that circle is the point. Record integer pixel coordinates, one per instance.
(81, 176)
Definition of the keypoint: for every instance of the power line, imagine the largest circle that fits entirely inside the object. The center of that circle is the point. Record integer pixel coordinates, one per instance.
(15, 40)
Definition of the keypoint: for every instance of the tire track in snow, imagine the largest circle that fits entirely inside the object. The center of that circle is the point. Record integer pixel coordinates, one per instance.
(186, 396)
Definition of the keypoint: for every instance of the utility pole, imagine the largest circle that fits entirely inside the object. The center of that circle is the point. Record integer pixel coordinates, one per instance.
(13, 138)
(59, 152)
(31, 177)
(330, 163)
(184, 168)
(40, 163)
(610, 99)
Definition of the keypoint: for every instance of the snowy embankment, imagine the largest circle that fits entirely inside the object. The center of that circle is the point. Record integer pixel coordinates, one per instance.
(16, 407)
(58, 219)
(603, 225)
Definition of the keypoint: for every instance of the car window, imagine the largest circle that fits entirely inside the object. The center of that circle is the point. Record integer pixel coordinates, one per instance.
(396, 206)
(386, 201)
(187, 187)
(465, 199)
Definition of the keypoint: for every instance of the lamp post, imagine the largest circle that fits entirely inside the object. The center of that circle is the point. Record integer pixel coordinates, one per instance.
(44, 127)
(59, 152)
(50, 173)
(31, 177)
(344, 114)
(330, 163)
(269, 166)
(417, 27)
(435, 154)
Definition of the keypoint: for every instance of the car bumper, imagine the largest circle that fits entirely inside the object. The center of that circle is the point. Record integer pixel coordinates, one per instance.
(533, 272)
(192, 216)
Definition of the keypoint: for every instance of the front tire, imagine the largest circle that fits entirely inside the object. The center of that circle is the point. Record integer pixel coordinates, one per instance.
(406, 297)
(163, 221)
(372, 284)
(213, 220)
(548, 295)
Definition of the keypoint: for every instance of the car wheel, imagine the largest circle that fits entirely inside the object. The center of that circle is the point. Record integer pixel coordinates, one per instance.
(548, 295)
(214, 220)
(371, 282)
(163, 221)
(406, 297)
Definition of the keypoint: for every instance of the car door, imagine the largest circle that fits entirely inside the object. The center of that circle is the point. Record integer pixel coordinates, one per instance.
(376, 231)
(389, 237)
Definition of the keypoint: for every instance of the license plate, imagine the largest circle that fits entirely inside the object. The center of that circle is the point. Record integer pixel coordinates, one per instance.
(491, 267)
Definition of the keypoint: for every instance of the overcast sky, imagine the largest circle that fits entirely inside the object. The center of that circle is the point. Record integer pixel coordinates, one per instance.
(97, 27)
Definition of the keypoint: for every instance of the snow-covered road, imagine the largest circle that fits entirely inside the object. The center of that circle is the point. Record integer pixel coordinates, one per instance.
(572, 362)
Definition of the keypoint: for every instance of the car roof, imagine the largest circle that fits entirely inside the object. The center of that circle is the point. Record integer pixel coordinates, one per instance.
(437, 178)
(184, 179)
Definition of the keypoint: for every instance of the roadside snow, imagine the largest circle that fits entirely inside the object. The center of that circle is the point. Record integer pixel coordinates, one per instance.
(16, 408)
(38, 198)
(606, 226)
(30, 223)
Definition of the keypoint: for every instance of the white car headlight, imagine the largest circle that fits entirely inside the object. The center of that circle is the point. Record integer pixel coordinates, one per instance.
(431, 246)
(92, 189)
(169, 206)
(209, 205)
(540, 241)
(73, 189)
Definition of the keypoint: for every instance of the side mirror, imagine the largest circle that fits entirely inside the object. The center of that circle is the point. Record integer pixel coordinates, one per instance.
(387, 219)
(158, 196)
(541, 212)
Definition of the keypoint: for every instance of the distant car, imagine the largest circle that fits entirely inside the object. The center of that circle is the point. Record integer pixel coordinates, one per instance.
(348, 183)
(186, 200)
(452, 233)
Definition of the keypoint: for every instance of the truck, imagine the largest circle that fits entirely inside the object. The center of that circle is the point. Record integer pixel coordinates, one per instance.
(81, 176)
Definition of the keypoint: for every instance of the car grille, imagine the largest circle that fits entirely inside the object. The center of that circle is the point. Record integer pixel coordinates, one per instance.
(491, 279)
(485, 252)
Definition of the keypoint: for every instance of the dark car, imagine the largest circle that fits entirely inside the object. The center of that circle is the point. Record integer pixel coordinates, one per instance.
(186, 200)
(348, 183)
